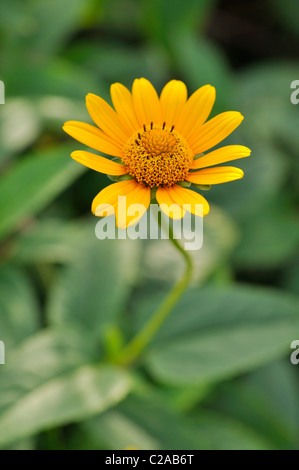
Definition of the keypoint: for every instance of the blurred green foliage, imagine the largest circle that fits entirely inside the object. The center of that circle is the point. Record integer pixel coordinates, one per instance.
(218, 374)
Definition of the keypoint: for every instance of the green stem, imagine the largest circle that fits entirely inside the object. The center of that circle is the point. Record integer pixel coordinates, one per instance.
(135, 347)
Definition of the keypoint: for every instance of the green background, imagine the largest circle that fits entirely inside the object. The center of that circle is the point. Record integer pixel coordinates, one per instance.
(218, 375)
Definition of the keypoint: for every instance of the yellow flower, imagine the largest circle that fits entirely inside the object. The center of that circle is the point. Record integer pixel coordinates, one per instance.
(156, 142)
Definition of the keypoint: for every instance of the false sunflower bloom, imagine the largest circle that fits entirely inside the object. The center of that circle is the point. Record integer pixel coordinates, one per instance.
(159, 145)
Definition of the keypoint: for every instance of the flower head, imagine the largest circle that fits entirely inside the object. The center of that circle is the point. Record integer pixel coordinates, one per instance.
(157, 142)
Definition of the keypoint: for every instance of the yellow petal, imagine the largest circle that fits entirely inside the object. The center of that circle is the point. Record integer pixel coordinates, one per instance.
(221, 174)
(98, 163)
(215, 130)
(181, 200)
(173, 98)
(137, 203)
(190, 200)
(221, 155)
(196, 111)
(106, 118)
(168, 205)
(123, 103)
(146, 102)
(112, 196)
(110, 193)
(93, 137)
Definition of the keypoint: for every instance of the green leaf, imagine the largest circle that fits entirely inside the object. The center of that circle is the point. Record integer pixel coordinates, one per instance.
(58, 78)
(265, 171)
(148, 423)
(215, 334)
(201, 63)
(54, 110)
(91, 292)
(39, 359)
(68, 399)
(163, 19)
(220, 432)
(23, 119)
(31, 184)
(48, 241)
(142, 423)
(267, 401)
(41, 26)
(19, 126)
(19, 316)
(268, 133)
(290, 276)
(287, 12)
(268, 239)
(24, 444)
(106, 60)
(271, 80)
(54, 20)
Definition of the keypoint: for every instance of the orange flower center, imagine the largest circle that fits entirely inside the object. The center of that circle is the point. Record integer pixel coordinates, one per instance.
(157, 156)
